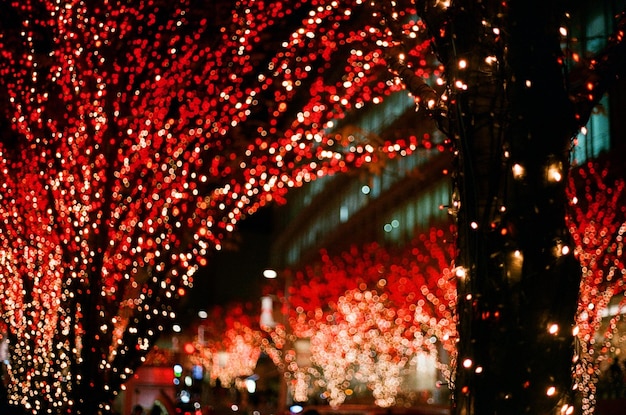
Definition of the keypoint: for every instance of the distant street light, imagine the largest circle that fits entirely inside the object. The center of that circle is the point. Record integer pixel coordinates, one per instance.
(270, 274)
(267, 307)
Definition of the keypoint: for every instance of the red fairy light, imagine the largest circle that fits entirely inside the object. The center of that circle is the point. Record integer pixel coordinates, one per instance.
(402, 298)
(139, 136)
(597, 223)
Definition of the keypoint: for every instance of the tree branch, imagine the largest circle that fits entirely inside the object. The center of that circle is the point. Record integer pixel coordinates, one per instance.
(588, 83)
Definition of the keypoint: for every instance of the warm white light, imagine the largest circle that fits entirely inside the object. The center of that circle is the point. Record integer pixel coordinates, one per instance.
(270, 274)
(250, 385)
(553, 328)
(515, 263)
(560, 249)
(518, 171)
(467, 363)
(490, 60)
(554, 172)
(551, 391)
(460, 272)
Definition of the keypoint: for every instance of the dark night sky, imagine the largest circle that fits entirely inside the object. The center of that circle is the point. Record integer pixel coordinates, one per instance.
(235, 273)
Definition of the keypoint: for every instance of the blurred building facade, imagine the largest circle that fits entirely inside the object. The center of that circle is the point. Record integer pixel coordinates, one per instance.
(392, 203)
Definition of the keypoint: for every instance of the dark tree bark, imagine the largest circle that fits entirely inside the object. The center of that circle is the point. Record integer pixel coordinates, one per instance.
(512, 113)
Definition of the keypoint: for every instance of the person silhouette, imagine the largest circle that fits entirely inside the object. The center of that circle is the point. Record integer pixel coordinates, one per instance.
(616, 379)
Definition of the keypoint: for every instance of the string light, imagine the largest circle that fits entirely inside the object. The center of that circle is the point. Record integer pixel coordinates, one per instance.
(597, 225)
(554, 172)
(131, 163)
(518, 171)
(362, 323)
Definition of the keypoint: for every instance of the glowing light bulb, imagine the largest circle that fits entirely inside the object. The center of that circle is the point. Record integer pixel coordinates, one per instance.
(460, 272)
(490, 60)
(553, 328)
(554, 172)
(518, 171)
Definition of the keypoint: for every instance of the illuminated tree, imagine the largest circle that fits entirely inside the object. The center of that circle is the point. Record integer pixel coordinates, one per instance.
(365, 340)
(512, 107)
(228, 344)
(597, 223)
(367, 312)
(134, 136)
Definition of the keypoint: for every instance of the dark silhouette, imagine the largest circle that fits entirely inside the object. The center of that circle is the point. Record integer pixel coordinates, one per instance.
(616, 379)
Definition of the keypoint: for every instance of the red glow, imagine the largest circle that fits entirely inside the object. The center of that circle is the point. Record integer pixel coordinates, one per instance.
(597, 223)
(189, 348)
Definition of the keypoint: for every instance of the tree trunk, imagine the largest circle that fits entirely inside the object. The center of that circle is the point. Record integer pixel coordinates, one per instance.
(513, 123)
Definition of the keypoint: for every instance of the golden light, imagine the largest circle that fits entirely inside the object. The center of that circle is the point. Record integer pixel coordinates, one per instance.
(554, 172)
(460, 272)
(515, 263)
(518, 171)
(553, 328)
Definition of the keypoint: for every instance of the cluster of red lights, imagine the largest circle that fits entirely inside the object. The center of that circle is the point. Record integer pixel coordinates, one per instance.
(418, 288)
(597, 223)
(140, 135)
(401, 300)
